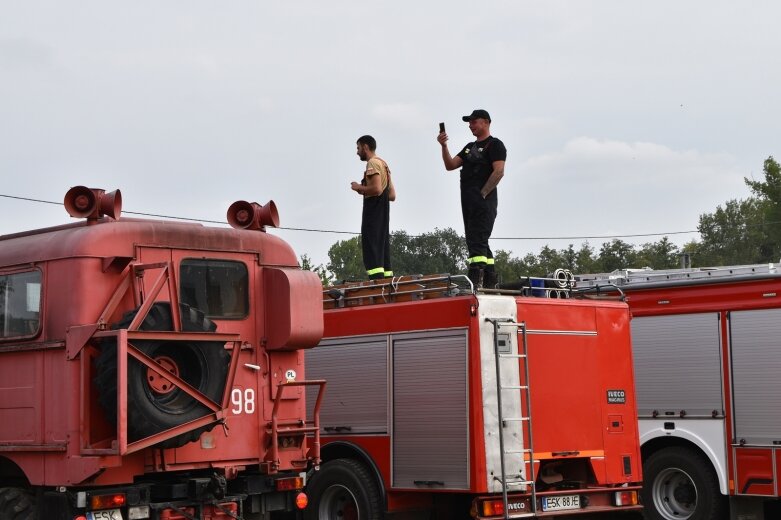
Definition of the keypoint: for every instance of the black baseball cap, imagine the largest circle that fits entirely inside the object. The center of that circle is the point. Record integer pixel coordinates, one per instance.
(477, 114)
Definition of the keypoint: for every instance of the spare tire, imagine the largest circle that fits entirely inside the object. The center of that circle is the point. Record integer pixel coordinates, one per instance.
(154, 404)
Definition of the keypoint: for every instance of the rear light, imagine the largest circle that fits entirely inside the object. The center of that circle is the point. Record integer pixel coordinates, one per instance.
(493, 508)
(290, 483)
(302, 500)
(107, 501)
(625, 498)
(80, 517)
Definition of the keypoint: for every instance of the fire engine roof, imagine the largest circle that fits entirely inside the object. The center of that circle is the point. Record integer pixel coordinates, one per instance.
(107, 238)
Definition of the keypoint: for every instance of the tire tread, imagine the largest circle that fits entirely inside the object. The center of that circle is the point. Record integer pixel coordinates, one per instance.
(158, 318)
(711, 504)
(17, 504)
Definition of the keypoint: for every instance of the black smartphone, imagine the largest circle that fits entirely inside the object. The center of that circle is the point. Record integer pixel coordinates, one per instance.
(441, 128)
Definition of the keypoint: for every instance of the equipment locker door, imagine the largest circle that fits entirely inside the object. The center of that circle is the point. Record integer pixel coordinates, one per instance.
(357, 398)
(430, 441)
(755, 341)
(677, 362)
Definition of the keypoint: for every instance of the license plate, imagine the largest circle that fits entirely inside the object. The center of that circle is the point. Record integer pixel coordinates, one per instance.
(107, 514)
(561, 503)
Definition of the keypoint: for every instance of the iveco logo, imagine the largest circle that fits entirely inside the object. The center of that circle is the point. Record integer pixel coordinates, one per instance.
(616, 397)
(516, 506)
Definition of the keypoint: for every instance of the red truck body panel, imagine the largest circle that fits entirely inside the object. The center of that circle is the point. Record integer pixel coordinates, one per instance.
(578, 356)
(94, 286)
(705, 342)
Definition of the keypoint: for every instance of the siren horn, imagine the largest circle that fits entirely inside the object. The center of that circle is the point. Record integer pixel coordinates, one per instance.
(251, 215)
(93, 203)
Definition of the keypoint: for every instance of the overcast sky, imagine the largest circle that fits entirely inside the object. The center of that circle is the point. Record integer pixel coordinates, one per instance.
(619, 117)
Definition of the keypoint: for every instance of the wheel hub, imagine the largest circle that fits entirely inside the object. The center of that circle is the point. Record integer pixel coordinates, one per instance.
(685, 493)
(338, 503)
(674, 494)
(158, 383)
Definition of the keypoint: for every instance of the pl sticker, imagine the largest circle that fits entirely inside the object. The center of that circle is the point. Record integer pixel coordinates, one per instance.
(290, 375)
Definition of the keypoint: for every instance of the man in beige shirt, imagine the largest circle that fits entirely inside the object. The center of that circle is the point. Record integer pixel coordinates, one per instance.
(378, 191)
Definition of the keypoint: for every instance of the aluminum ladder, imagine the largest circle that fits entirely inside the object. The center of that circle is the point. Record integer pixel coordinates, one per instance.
(526, 415)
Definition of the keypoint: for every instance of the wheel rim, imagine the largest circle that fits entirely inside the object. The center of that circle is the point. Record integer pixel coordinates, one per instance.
(185, 362)
(338, 503)
(158, 383)
(674, 494)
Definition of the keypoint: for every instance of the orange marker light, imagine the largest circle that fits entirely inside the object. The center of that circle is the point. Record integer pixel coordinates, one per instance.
(493, 508)
(107, 501)
(302, 500)
(290, 483)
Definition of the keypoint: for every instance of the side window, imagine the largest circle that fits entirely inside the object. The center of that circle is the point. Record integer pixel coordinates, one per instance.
(20, 304)
(219, 288)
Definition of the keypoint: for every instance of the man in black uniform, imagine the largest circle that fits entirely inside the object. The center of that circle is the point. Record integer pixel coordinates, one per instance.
(482, 167)
(378, 191)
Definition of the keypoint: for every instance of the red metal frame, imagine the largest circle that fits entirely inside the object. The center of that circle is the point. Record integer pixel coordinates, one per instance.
(295, 427)
(80, 336)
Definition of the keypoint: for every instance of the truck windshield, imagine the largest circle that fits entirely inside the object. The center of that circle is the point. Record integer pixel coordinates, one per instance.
(20, 304)
(219, 288)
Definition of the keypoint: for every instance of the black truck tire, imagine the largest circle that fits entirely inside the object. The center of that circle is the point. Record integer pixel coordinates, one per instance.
(679, 484)
(152, 404)
(343, 488)
(16, 504)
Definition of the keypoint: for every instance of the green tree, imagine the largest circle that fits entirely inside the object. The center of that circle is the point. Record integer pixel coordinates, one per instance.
(325, 277)
(615, 254)
(585, 261)
(550, 259)
(440, 251)
(345, 260)
(658, 255)
(733, 234)
(510, 269)
(768, 193)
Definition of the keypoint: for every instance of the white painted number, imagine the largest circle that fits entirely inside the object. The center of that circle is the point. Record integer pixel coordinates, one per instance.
(243, 402)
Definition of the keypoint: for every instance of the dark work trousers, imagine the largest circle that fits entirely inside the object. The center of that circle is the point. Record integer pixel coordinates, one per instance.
(479, 216)
(375, 236)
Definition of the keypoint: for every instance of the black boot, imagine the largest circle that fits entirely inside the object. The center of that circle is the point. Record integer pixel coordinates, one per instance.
(490, 279)
(475, 275)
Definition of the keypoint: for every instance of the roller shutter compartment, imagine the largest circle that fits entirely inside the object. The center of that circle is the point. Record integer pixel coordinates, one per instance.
(756, 375)
(430, 413)
(356, 395)
(678, 364)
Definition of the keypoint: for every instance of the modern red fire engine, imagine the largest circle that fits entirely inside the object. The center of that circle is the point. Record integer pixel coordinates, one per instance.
(154, 370)
(446, 403)
(708, 373)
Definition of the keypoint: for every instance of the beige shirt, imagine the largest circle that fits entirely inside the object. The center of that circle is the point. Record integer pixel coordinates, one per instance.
(376, 166)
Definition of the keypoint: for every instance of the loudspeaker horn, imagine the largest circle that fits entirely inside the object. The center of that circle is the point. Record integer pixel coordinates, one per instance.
(93, 203)
(251, 215)
(110, 204)
(80, 202)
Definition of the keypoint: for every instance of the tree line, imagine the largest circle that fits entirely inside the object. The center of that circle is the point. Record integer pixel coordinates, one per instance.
(746, 231)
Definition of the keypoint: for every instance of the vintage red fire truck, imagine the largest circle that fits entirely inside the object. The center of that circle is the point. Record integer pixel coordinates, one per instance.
(154, 369)
(708, 373)
(446, 403)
